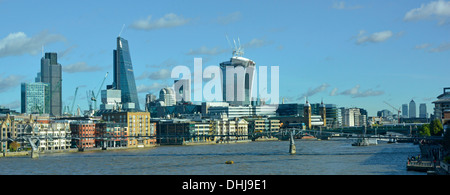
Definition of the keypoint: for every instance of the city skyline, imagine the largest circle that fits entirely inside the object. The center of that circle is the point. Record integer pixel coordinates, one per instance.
(349, 53)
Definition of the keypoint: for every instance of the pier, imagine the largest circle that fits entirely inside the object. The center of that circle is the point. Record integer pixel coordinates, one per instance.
(421, 166)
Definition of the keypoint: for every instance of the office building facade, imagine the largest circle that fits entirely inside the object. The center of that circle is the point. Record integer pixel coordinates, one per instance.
(412, 109)
(35, 98)
(182, 88)
(422, 110)
(123, 75)
(237, 80)
(111, 99)
(51, 73)
(139, 130)
(167, 97)
(405, 111)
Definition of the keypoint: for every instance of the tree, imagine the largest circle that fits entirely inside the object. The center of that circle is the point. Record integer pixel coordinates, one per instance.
(14, 146)
(424, 130)
(436, 127)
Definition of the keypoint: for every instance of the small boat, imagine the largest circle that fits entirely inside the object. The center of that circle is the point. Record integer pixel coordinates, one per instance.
(361, 142)
(308, 137)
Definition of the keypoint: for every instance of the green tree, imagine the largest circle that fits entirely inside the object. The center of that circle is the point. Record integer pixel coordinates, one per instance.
(14, 146)
(436, 127)
(424, 130)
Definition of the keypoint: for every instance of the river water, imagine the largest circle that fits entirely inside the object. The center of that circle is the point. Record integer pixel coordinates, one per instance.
(330, 157)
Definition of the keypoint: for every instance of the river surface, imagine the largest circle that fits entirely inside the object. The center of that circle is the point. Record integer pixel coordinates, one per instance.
(330, 157)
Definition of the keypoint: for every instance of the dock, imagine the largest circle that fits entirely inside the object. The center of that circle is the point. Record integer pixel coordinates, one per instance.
(421, 166)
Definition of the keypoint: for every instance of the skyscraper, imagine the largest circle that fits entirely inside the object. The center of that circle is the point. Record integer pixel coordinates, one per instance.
(423, 111)
(51, 74)
(35, 98)
(124, 75)
(405, 110)
(412, 109)
(237, 80)
(182, 89)
(167, 95)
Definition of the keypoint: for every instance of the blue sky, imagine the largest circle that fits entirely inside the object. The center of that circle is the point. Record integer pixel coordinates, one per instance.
(350, 53)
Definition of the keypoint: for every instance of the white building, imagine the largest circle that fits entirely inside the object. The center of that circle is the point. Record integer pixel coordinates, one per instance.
(54, 136)
(111, 99)
(182, 90)
(352, 117)
(230, 130)
(167, 95)
(238, 74)
(241, 111)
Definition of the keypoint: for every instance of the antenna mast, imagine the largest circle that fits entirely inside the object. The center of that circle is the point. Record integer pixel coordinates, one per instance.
(121, 30)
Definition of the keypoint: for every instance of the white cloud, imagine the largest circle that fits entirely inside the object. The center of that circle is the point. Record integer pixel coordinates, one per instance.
(10, 82)
(233, 17)
(334, 92)
(12, 105)
(80, 67)
(442, 47)
(314, 91)
(438, 9)
(368, 93)
(256, 43)
(352, 91)
(356, 93)
(154, 87)
(161, 74)
(342, 6)
(19, 43)
(203, 50)
(168, 21)
(422, 46)
(373, 38)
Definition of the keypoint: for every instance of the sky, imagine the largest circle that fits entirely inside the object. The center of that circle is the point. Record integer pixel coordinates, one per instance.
(349, 53)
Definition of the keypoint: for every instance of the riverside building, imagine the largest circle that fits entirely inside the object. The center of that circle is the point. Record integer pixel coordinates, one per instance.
(140, 132)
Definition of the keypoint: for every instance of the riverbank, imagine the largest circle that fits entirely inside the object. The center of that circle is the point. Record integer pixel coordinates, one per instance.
(429, 161)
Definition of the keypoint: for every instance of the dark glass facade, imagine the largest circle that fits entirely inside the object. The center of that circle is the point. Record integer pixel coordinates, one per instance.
(123, 73)
(51, 73)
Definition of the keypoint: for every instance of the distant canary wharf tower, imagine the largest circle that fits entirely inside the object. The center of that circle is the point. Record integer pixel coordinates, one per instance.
(237, 79)
(124, 75)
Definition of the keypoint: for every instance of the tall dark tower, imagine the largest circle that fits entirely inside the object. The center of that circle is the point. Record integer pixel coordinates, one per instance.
(123, 73)
(51, 74)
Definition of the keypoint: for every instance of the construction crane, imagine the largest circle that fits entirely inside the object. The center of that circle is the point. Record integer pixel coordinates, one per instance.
(88, 97)
(398, 110)
(73, 102)
(94, 96)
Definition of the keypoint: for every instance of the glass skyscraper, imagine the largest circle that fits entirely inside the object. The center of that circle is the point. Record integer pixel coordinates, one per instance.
(51, 73)
(35, 98)
(237, 80)
(124, 75)
(412, 109)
